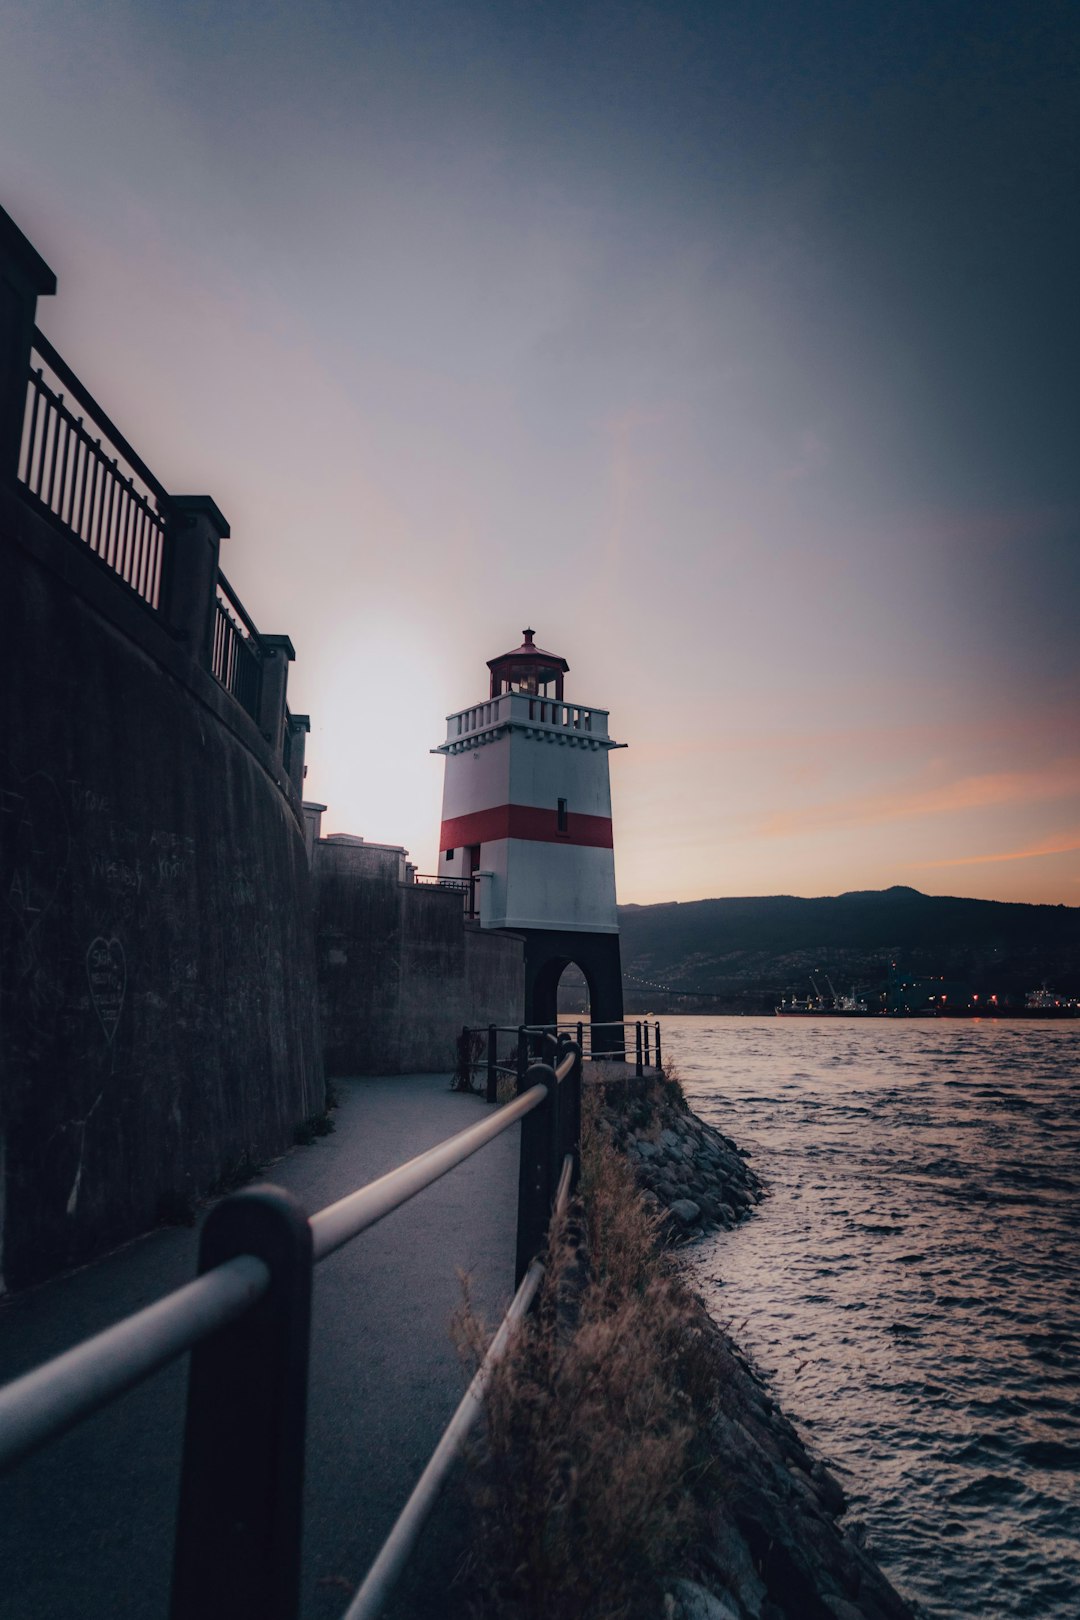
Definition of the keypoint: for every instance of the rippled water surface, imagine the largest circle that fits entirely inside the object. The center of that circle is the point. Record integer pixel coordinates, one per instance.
(910, 1286)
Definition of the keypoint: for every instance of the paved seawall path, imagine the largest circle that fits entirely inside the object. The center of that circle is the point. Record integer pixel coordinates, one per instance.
(86, 1525)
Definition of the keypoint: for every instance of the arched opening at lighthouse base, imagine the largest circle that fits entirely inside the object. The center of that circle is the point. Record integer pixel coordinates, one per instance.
(547, 956)
(554, 972)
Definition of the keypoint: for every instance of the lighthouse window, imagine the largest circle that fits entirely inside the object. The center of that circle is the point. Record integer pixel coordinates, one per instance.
(563, 819)
(449, 855)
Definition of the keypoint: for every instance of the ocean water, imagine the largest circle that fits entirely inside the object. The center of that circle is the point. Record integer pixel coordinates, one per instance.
(910, 1286)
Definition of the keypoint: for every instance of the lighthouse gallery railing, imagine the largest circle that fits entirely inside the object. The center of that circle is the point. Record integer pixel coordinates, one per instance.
(246, 1321)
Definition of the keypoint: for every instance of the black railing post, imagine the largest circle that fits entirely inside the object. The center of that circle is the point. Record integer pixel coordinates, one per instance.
(240, 1516)
(297, 727)
(492, 1088)
(581, 1037)
(522, 1056)
(645, 1032)
(535, 1187)
(24, 278)
(659, 1061)
(276, 654)
(465, 1057)
(570, 1112)
(194, 530)
(637, 1049)
(555, 1129)
(578, 1081)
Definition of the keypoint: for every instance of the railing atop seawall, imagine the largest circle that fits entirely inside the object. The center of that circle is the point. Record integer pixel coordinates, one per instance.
(501, 1051)
(468, 888)
(68, 461)
(111, 502)
(246, 1319)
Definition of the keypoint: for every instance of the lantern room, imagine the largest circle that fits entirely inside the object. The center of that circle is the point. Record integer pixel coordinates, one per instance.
(528, 669)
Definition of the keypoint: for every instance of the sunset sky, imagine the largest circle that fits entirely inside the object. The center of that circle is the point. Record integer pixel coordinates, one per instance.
(734, 347)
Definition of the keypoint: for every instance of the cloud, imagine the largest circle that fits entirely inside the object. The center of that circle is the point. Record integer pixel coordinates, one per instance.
(1061, 844)
(1055, 781)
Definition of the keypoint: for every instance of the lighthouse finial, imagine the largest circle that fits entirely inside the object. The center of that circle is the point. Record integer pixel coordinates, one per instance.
(528, 634)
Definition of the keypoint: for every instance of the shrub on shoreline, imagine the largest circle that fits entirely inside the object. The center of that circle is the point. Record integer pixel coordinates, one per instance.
(592, 1476)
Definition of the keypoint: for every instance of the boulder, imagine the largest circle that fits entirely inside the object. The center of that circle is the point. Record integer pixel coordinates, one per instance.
(841, 1609)
(729, 1555)
(695, 1603)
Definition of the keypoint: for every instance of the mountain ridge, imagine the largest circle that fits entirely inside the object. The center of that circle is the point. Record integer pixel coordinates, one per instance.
(745, 951)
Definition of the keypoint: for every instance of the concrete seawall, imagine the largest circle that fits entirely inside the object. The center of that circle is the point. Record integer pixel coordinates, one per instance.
(157, 985)
(399, 972)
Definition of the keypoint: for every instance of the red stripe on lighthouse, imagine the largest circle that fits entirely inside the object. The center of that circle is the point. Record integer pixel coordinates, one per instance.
(525, 821)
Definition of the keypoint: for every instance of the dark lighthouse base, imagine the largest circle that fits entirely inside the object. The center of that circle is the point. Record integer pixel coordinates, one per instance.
(548, 952)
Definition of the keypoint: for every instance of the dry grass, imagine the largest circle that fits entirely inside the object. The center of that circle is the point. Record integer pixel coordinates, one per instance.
(469, 1049)
(642, 1103)
(506, 1089)
(590, 1481)
(671, 1088)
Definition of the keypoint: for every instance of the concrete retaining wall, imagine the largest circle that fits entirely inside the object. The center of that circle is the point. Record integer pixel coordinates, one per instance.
(158, 1022)
(398, 972)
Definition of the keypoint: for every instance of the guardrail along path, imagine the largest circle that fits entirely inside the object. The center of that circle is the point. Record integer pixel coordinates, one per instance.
(86, 1525)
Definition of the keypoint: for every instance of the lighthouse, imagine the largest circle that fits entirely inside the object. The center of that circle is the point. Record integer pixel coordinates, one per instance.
(526, 821)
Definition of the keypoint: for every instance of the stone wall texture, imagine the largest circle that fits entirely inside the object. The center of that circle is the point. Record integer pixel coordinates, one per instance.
(158, 1017)
(398, 973)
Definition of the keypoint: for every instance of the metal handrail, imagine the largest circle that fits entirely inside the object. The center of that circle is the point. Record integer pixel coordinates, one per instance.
(55, 1396)
(564, 1023)
(635, 1033)
(385, 1572)
(239, 609)
(562, 1197)
(51, 1399)
(237, 651)
(562, 1069)
(263, 1297)
(79, 391)
(74, 478)
(338, 1223)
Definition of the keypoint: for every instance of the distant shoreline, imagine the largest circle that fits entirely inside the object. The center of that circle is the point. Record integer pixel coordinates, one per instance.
(1001, 1015)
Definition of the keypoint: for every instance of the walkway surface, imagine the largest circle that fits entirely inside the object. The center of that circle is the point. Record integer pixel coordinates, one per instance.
(86, 1525)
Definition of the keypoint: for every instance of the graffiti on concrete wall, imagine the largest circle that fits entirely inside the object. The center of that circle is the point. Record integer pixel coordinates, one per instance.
(34, 844)
(106, 972)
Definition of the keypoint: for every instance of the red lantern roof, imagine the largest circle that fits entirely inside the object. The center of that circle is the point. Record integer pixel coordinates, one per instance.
(527, 668)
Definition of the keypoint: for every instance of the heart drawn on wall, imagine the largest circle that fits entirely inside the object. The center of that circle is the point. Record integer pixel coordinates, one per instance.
(106, 970)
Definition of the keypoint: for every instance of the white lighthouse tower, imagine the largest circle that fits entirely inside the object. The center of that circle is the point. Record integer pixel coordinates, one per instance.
(527, 814)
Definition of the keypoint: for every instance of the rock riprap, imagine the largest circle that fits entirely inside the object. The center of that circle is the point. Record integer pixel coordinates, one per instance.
(693, 1173)
(776, 1547)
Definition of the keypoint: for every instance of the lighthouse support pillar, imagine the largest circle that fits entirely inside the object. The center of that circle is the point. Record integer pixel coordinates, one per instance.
(548, 952)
